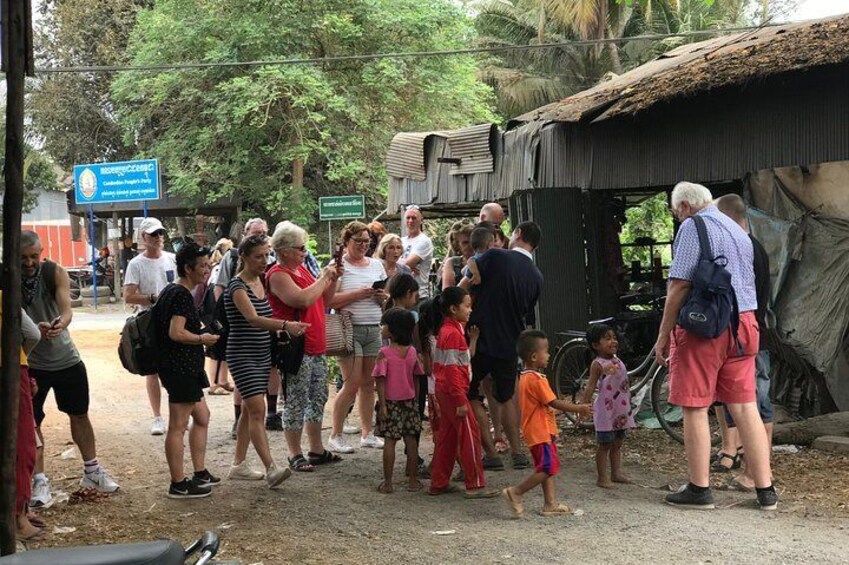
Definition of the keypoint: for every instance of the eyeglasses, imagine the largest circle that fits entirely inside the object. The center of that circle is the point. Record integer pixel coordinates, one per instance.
(360, 240)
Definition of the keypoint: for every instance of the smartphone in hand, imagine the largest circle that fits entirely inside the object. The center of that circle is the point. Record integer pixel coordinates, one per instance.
(337, 255)
(379, 285)
(55, 322)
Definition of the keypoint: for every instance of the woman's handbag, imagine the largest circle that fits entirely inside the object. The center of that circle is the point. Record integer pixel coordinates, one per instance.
(287, 352)
(340, 334)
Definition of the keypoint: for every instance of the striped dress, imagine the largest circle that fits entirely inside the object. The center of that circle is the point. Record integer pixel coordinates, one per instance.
(248, 348)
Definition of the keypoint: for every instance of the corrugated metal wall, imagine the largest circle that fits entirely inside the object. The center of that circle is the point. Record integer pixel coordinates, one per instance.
(560, 257)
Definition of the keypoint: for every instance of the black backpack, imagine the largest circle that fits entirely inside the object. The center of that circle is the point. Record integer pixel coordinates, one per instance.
(712, 304)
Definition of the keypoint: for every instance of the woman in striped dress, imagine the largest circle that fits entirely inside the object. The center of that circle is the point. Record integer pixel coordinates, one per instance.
(249, 356)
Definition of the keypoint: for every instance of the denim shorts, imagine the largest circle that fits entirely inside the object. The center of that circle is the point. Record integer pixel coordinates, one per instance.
(367, 341)
(610, 437)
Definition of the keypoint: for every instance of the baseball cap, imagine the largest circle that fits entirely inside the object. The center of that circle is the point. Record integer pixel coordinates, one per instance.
(150, 225)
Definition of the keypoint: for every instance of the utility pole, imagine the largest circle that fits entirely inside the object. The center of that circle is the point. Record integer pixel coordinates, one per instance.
(16, 62)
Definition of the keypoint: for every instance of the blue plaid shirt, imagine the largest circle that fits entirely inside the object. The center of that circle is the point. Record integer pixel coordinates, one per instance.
(727, 239)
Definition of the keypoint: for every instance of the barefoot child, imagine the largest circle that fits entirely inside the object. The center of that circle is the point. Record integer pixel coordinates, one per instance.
(458, 434)
(612, 406)
(395, 372)
(537, 402)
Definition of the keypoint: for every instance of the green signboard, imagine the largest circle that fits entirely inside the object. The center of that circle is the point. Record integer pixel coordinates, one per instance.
(341, 208)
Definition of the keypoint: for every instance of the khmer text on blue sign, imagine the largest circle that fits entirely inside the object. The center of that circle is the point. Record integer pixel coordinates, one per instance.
(127, 181)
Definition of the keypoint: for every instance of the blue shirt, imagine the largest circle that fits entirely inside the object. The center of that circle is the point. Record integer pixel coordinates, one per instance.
(726, 239)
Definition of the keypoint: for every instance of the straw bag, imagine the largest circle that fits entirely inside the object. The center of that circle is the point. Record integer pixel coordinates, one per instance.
(340, 334)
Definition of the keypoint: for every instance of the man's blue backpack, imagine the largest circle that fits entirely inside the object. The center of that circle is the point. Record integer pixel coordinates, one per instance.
(712, 304)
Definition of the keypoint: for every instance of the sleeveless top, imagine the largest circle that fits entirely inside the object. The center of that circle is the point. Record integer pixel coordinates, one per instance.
(612, 406)
(50, 354)
(315, 338)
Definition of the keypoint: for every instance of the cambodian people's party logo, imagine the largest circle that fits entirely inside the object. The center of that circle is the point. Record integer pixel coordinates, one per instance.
(88, 184)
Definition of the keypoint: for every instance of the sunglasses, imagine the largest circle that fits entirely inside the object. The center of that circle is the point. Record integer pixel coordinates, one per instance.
(299, 247)
(157, 233)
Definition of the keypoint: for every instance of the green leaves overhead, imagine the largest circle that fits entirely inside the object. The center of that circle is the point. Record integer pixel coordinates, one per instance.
(241, 131)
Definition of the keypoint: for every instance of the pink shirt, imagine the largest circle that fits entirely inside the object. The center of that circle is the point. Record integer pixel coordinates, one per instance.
(399, 372)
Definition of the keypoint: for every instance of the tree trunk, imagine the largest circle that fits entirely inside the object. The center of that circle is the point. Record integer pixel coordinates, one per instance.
(181, 226)
(806, 431)
(541, 25)
(298, 174)
(15, 56)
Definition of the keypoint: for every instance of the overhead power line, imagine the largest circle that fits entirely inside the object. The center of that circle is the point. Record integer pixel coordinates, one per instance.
(377, 56)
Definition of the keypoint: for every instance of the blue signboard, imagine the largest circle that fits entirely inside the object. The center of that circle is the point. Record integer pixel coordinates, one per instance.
(127, 181)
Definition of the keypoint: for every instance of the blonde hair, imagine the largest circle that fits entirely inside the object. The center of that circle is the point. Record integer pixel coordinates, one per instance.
(222, 246)
(384, 243)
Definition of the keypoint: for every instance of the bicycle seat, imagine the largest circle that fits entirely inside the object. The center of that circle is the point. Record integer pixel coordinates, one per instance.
(165, 552)
(607, 321)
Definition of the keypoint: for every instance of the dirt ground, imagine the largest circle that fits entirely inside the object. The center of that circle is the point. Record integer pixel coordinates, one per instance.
(334, 515)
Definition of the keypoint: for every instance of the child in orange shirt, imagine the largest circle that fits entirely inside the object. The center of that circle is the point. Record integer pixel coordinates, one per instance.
(537, 402)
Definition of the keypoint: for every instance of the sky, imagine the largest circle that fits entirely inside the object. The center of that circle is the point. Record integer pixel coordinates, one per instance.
(813, 9)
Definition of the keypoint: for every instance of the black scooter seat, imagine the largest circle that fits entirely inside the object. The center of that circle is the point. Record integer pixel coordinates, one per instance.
(166, 552)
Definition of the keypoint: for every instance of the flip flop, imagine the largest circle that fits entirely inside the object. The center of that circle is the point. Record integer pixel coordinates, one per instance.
(419, 486)
(561, 510)
(480, 493)
(38, 535)
(36, 521)
(450, 489)
(218, 391)
(383, 488)
(517, 506)
(735, 484)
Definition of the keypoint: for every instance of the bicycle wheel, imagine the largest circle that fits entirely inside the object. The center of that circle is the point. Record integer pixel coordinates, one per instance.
(670, 416)
(571, 371)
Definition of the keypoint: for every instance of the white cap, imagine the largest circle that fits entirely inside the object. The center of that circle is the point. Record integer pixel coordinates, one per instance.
(150, 225)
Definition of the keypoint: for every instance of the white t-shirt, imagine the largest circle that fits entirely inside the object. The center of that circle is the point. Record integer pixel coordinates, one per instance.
(365, 312)
(151, 275)
(422, 246)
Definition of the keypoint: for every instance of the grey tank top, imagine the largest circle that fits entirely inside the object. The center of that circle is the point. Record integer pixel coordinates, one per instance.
(50, 354)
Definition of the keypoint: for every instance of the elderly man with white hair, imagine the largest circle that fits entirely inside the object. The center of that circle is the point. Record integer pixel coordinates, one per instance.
(704, 370)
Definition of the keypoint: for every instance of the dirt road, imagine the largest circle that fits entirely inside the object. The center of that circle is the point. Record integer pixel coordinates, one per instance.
(335, 515)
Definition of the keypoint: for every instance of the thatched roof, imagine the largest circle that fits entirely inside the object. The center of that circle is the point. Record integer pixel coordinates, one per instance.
(700, 67)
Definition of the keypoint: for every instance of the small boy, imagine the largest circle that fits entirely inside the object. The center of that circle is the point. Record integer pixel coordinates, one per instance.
(537, 401)
(481, 240)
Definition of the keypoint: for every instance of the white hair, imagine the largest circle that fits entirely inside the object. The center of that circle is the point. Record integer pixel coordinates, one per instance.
(286, 235)
(696, 195)
(253, 221)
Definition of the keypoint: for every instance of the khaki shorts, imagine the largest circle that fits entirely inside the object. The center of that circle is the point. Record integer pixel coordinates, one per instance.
(367, 341)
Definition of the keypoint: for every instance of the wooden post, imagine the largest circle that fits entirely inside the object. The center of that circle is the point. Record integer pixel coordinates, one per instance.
(15, 59)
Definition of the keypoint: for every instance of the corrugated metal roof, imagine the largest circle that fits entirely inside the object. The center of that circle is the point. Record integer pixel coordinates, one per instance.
(406, 155)
(708, 65)
(474, 147)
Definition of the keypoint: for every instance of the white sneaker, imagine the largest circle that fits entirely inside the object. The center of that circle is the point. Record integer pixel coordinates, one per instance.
(158, 427)
(350, 428)
(339, 444)
(275, 476)
(100, 480)
(371, 441)
(242, 472)
(40, 493)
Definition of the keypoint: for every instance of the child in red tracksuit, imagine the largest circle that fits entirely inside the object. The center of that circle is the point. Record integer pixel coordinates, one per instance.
(458, 435)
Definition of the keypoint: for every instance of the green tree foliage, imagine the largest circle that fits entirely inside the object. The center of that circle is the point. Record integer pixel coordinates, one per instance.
(74, 113)
(247, 131)
(39, 174)
(650, 220)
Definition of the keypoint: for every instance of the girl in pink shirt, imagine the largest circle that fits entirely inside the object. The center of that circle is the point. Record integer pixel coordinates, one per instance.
(395, 372)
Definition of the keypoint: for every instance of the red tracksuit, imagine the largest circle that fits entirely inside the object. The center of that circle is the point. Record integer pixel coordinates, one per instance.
(457, 438)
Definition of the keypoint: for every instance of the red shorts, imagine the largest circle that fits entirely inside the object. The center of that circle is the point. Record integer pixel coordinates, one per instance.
(703, 371)
(545, 458)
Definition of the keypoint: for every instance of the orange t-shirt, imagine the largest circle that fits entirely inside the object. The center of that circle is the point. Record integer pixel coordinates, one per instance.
(23, 355)
(535, 394)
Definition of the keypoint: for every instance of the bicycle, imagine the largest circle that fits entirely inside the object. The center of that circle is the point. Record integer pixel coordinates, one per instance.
(570, 375)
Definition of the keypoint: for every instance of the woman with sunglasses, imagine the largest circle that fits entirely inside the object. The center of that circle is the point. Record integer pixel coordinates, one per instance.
(296, 295)
(356, 294)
